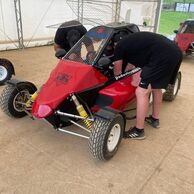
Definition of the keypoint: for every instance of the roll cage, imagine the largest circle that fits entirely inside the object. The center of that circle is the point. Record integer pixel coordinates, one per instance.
(91, 46)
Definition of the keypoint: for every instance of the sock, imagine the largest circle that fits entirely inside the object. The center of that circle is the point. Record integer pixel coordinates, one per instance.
(154, 118)
(139, 129)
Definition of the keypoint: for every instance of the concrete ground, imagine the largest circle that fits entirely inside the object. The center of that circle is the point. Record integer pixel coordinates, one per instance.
(35, 159)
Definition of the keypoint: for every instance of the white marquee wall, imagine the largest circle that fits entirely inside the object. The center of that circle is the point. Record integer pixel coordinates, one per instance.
(37, 15)
(142, 11)
(8, 31)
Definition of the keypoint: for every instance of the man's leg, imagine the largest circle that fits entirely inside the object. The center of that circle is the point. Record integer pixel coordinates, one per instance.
(153, 119)
(142, 96)
(157, 101)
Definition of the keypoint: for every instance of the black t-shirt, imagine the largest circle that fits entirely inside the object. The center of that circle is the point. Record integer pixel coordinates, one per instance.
(141, 48)
(61, 34)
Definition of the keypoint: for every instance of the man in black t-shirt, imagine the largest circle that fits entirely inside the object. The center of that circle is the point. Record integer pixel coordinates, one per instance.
(68, 34)
(160, 60)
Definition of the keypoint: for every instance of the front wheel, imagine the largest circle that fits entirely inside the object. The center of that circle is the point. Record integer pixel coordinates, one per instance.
(6, 70)
(13, 99)
(106, 136)
(172, 90)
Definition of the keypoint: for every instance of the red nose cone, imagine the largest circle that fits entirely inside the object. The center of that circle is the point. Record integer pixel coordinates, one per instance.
(42, 112)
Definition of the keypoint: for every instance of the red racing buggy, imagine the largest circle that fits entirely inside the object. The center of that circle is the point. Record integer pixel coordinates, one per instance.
(185, 37)
(82, 91)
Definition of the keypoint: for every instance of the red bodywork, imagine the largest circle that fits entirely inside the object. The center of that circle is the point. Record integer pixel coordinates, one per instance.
(184, 40)
(72, 77)
(122, 93)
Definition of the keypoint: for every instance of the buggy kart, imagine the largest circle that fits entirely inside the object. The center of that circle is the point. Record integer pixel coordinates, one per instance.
(81, 91)
(6, 70)
(185, 37)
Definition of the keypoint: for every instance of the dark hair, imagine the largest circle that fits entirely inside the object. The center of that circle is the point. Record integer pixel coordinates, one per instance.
(72, 37)
(118, 36)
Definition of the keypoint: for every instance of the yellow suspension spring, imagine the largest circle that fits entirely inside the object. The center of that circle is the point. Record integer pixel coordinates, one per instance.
(82, 112)
(32, 99)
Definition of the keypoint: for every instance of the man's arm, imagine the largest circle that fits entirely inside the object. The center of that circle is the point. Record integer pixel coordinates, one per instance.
(90, 48)
(118, 67)
(89, 44)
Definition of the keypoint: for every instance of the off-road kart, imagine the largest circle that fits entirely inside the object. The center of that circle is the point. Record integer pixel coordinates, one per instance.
(82, 91)
(6, 70)
(185, 37)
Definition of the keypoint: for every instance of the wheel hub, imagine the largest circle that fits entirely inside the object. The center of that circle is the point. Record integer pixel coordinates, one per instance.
(20, 100)
(114, 137)
(3, 73)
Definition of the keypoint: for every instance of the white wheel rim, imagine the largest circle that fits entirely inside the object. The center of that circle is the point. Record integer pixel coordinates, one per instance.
(3, 73)
(113, 137)
(176, 86)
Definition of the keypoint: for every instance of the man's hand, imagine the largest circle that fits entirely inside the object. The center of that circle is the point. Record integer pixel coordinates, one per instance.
(56, 47)
(118, 67)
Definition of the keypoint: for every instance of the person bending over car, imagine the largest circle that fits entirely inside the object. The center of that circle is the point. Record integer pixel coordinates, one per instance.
(68, 34)
(160, 60)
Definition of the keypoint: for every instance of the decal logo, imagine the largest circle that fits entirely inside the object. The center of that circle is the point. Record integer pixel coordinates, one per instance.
(63, 78)
(100, 30)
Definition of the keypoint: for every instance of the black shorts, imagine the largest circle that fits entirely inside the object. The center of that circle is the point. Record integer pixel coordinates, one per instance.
(161, 71)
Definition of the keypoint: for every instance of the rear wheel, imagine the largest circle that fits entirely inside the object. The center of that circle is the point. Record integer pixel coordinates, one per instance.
(6, 70)
(13, 99)
(172, 90)
(106, 136)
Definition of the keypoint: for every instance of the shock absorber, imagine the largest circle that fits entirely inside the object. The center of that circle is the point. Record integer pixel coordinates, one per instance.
(81, 111)
(32, 99)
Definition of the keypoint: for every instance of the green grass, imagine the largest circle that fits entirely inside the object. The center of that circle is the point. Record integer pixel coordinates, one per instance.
(179, 1)
(169, 21)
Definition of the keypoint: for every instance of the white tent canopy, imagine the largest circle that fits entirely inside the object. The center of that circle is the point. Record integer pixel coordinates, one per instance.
(40, 18)
(36, 16)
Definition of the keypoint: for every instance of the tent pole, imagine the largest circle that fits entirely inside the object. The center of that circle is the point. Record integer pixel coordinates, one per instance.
(17, 7)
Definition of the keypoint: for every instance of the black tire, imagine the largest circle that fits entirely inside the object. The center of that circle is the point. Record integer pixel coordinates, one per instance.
(6, 70)
(190, 50)
(172, 90)
(9, 96)
(100, 134)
